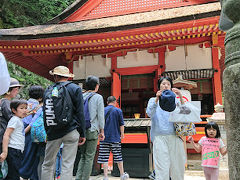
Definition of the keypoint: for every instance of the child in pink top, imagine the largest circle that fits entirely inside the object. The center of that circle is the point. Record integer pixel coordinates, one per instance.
(211, 146)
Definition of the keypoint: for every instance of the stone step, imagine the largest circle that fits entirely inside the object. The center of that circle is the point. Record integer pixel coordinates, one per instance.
(194, 165)
(198, 175)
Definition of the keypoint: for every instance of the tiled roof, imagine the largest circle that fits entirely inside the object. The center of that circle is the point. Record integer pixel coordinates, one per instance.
(109, 24)
(116, 7)
(95, 9)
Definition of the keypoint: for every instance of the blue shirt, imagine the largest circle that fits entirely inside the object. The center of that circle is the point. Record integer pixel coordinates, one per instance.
(159, 119)
(112, 125)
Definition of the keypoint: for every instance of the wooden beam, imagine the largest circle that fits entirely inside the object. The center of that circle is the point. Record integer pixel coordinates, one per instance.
(136, 70)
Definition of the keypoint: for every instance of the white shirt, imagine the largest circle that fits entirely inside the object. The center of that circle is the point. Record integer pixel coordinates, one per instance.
(17, 138)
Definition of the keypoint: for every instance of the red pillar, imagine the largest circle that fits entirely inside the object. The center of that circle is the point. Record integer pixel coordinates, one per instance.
(162, 66)
(116, 88)
(217, 84)
(116, 80)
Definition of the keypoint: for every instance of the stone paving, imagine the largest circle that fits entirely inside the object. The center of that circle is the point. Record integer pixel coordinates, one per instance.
(199, 176)
(189, 174)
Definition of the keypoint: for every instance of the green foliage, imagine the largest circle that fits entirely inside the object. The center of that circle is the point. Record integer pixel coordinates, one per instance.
(21, 13)
(26, 78)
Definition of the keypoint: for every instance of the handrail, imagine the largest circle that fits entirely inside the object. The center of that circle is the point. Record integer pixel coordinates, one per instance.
(205, 116)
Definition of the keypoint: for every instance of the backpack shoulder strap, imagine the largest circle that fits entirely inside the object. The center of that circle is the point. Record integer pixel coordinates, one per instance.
(89, 96)
(60, 84)
(108, 113)
(48, 90)
(66, 83)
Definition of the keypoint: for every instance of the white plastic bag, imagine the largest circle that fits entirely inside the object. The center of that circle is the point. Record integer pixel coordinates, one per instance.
(4, 75)
(185, 113)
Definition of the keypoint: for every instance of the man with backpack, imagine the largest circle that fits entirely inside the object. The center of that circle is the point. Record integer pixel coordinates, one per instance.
(93, 102)
(63, 121)
(114, 132)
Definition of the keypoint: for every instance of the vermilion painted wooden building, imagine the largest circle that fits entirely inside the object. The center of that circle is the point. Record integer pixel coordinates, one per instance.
(128, 44)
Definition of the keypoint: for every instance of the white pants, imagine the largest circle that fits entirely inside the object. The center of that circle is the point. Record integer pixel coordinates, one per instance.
(69, 152)
(169, 157)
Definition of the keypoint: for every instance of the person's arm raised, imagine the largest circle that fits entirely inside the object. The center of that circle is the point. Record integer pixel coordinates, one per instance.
(178, 92)
(196, 146)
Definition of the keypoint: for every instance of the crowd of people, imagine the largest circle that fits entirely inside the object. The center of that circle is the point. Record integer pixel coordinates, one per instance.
(38, 160)
(80, 122)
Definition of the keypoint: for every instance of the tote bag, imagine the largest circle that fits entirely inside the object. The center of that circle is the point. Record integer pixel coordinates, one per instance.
(184, 117)
(185, 113)
(185, 129)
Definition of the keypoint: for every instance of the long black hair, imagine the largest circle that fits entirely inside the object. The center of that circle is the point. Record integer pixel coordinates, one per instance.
(214, 126)
(167, 78)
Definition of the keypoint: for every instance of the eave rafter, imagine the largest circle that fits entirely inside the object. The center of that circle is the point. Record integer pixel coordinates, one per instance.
(111, 41)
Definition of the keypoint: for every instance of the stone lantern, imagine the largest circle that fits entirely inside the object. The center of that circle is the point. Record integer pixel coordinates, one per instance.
(231, 83)
(218, 116)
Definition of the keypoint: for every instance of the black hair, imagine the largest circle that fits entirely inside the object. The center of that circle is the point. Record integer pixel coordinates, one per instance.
(17, 102)
(111, 99)
(59, 76)
(91, 82)
(167, 78)
(36, 92)
(214, 126)
(11, 88)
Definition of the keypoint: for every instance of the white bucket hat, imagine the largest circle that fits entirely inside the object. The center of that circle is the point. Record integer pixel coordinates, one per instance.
(14, 83)
(61, 71)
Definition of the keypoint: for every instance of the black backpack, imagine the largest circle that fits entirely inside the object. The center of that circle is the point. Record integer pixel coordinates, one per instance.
(57, 106)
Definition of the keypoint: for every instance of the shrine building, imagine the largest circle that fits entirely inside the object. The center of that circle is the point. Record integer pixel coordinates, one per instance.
(128, 44)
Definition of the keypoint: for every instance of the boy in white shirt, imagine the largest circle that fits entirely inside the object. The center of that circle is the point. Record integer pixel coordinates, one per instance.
(14, 139)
